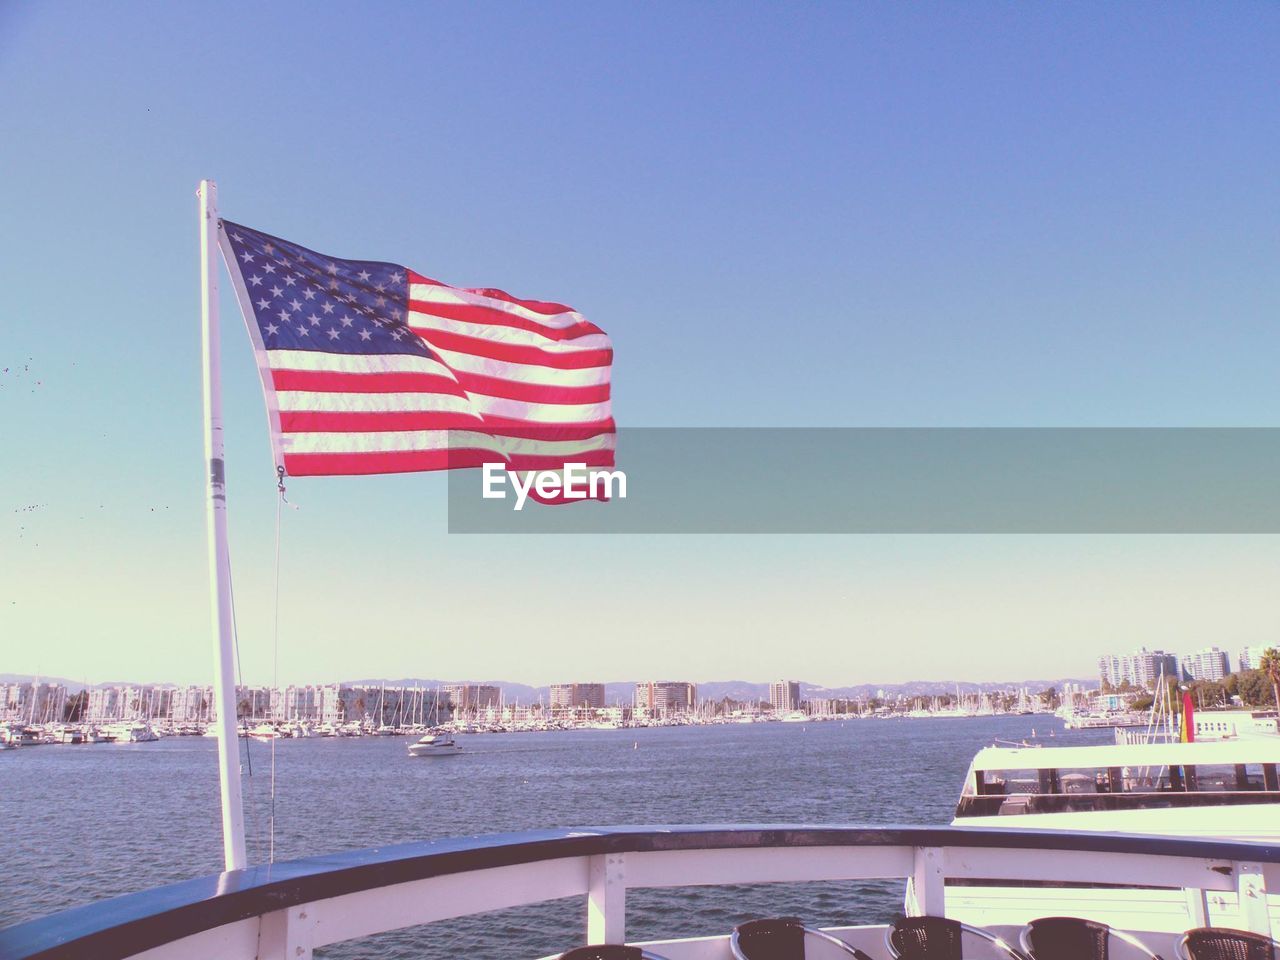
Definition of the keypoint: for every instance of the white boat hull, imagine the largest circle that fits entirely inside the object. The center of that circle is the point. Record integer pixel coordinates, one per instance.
(443, 749)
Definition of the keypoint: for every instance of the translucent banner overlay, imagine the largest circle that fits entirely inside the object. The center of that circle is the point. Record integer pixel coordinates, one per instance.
(913, 480)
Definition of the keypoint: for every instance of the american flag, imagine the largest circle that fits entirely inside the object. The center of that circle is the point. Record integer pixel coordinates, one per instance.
(368, 367)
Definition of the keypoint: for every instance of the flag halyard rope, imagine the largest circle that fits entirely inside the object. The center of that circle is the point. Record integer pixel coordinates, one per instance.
(281, 499)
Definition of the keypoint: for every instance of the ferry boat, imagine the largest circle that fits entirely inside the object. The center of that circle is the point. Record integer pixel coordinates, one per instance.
(1227, 789)
(1224, 788)
(1114, 718)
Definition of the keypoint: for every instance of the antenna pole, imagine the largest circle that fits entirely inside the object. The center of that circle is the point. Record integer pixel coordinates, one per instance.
(224, 678)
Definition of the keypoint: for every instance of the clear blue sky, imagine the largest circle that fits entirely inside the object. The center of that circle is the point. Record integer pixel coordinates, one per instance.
(845, 214)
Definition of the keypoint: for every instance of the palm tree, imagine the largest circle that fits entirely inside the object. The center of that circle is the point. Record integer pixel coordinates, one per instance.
(1271, 667)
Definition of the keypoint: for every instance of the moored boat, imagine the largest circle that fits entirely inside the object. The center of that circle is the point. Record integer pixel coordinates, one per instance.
(129, 732)
(20, 735)
(64, 733)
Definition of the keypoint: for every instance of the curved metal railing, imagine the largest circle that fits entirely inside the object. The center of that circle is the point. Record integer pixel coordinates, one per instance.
(285, 910)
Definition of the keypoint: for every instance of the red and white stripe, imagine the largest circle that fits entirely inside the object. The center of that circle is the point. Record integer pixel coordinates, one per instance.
(518, 381)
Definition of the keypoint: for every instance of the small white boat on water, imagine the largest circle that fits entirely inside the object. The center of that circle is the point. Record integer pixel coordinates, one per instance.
(264, 731)
(435, 745)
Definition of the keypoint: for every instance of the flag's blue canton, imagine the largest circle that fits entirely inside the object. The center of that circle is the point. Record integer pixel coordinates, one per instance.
(303, 300)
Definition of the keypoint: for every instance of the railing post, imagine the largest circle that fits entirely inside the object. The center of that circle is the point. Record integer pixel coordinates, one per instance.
(606, 899)
(286, 934)
(1197, 907)
(1252, 887)
(928, 881)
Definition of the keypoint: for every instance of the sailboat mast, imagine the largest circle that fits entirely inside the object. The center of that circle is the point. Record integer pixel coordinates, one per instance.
(224, 682)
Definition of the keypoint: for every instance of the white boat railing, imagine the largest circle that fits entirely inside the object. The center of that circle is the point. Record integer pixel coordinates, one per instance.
(287, 910)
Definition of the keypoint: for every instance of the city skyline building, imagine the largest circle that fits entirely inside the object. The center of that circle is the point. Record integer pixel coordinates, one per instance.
(665, 698)
(295, 702)
(1251, 657)
(784, 695)
(575, 696)
(35, 701)
(32, 702)
(191, 704)
(467, 697)
(1139, 669)
(1207, 664)
(129, 702)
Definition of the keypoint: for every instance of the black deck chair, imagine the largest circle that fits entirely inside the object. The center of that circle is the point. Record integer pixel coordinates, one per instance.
(936, 938)
(609, 951)
(780, 938)
(1071, 938)
(1223, 943)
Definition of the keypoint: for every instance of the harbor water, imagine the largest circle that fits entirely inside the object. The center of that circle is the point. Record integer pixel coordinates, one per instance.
(87, 822)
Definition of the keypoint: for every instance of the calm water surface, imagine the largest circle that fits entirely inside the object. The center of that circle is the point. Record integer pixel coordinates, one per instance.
(94, 821)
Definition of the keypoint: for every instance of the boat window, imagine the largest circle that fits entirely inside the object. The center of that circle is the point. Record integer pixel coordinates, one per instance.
(1079, 781)
(1073, 781)
(1150, 779)
(1008, 782)
(1223, 777)
(1012, 792)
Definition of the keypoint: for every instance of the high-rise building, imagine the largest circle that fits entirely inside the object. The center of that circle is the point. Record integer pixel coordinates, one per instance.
(784, 696)
(665, 698)
(574, 696)
(467, 697)
(252, 703)
(104, 704)
(129, 702)
(1140, 669)
(1251, 657)
(329, 703)
(295, 703)
(191, 704)
(339, 703)
(1207, 664)
(33, 702)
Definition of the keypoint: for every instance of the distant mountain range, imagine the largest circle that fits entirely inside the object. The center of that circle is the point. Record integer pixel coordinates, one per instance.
(623, 691)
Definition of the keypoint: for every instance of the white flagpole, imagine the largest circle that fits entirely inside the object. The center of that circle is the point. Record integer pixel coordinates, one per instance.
(224, 678)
